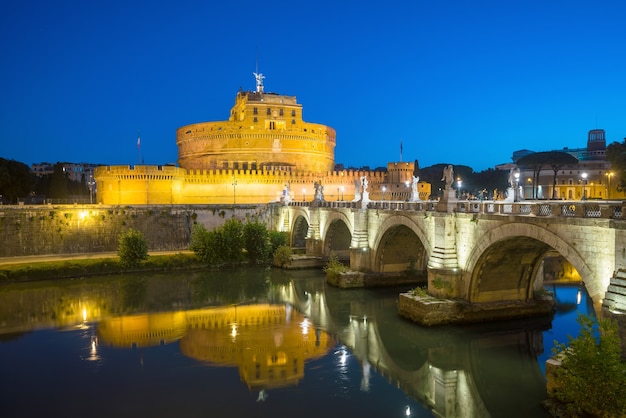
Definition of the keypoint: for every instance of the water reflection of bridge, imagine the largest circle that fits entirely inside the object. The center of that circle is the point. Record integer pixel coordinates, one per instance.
(454, 371)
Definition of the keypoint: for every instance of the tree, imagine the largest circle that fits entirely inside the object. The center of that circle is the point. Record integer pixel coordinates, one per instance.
(616, 155)
(591, 377)
(256, 242)
(219, 246)
(58, 183)
(553, 159)
(16, 180)
(132, 248)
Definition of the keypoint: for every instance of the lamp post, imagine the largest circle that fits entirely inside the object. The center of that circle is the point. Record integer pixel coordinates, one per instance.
(516, 193)
(384, 188)
(459, 182)
(90, 184)
(234, 190)
(342, 192)
(303, 195)
(584, 176)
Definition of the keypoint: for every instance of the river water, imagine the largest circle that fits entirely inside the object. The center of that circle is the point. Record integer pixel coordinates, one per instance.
(260, 343)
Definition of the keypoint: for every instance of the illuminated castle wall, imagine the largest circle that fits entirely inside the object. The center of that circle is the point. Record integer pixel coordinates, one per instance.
(251, 158)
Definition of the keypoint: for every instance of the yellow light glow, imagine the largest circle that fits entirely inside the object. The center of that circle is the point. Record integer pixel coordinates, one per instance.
(82, 214)
(84, 314)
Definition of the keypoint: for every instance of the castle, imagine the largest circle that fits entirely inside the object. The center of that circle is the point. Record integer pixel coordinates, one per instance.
(264, 152)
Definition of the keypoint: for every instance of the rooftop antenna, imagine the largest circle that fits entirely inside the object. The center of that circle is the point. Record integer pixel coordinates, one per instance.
(258, 76)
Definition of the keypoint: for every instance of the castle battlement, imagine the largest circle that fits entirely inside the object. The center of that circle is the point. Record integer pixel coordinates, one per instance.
(263, 151)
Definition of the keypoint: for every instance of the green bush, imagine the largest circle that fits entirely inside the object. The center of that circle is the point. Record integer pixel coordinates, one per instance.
(256, 241)
(132, 248)
(334, 267)
(223, 245)
(202, 245)
(282, 256)
(278, 239)
(591, 378)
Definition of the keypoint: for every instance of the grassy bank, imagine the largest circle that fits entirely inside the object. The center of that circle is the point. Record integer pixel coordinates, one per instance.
(63, 269)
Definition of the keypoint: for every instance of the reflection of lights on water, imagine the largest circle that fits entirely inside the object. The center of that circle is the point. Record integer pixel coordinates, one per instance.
(84, 314)
(262, 396)
(94, 346)
(233, 331)
(305, 324)
(407, 411)
(343, 356)
(579, 297)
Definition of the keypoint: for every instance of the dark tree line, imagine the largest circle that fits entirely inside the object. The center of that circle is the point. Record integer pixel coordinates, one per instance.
(19, 184)
(472, 183)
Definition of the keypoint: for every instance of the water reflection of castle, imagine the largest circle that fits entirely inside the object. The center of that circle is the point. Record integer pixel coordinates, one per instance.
(268, 343)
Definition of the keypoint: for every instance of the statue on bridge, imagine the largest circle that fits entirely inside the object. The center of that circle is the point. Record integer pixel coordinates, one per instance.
(357, 190)
(286, 198)
(414, 192)
(319, 193)
(448, 176)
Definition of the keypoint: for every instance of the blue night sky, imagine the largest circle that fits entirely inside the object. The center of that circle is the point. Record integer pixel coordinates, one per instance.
(457, 81)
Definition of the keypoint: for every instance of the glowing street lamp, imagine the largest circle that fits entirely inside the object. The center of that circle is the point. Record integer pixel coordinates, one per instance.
(516, 194)
(459, 182)
(303, 195)
(384, 188)
(342, 192)
(584, 176)
(90, 184)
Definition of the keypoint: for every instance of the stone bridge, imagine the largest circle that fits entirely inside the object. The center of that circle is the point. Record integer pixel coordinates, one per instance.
(481, 252)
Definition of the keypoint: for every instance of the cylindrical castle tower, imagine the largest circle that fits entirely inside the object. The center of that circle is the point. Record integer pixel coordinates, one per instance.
(265, 131)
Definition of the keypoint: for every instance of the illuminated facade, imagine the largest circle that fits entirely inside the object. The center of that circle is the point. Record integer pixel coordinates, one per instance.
(262, 153)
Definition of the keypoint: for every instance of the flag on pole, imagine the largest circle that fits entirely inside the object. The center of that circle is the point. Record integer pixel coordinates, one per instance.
(138, 141)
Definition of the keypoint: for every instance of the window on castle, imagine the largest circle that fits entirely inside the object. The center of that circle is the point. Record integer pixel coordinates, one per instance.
(272, 125)
(293, 121)
(293, 113)
(280, 112)
(269, 111)
(255, 119)
(255, 111)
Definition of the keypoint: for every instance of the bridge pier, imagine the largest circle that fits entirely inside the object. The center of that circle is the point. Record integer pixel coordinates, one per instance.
(360, 254)
(313, 238)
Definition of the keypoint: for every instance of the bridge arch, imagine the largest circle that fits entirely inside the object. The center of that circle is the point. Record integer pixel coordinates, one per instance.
(299, 227)
(504, 263)
(398, 242)
(337, 234)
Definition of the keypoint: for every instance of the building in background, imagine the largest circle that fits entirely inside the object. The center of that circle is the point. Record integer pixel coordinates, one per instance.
(591, 178)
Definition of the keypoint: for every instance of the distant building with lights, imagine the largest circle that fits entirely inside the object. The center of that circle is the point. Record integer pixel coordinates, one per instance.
(73, 171)
(589, 179)
(264, 152)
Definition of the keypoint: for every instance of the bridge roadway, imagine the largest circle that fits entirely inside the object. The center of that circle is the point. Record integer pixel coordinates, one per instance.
(479, 251)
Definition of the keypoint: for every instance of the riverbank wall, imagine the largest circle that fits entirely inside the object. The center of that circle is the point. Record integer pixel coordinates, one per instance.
(80, 229)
